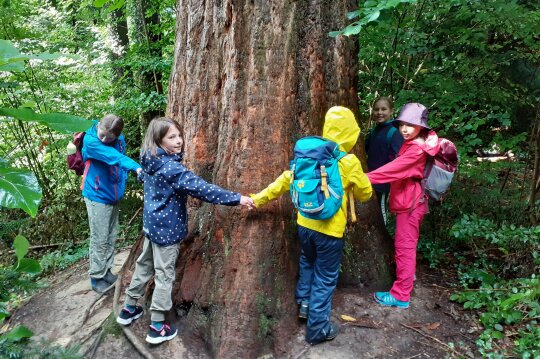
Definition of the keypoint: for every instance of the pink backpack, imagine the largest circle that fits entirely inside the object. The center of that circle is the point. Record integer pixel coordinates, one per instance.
(74, 160)
(440, 170)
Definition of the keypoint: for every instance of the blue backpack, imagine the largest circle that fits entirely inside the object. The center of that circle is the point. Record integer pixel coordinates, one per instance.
(316, 188)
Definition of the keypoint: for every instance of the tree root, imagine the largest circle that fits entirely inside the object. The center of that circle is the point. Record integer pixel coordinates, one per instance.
(132, 338)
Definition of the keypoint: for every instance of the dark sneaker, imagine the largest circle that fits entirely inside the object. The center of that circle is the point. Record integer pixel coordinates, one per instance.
(330, 335)
(303, 309)
(126, 317)
(100, 285)
(156, 336)
(110, 278)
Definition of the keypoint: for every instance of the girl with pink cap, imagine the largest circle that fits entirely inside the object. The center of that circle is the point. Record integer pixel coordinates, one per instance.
(407, 198)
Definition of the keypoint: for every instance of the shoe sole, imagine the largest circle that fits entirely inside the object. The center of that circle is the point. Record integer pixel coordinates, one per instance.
(104, 290)
(159, 340)
(302, 316)
(388, 305)
(130, 320)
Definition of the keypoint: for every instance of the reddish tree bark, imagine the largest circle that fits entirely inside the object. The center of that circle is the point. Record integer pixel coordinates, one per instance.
(249, 78)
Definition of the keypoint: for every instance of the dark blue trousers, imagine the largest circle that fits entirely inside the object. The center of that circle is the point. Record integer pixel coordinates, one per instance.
(320, 259)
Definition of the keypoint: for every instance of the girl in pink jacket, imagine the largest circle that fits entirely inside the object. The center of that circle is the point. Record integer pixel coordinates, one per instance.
(407, 199)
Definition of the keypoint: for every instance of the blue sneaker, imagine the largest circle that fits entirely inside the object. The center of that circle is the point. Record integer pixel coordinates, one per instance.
(387, 299)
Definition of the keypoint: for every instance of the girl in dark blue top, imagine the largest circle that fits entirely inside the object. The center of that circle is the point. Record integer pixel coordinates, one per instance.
(167, 184)
(382, 145)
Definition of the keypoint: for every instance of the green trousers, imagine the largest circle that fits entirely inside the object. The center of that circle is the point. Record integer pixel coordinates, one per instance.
(103, 222)
(160, 262)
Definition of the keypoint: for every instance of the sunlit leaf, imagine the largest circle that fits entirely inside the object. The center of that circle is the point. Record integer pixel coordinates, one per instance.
(21, 246)
(18, 333)
(61, 122)
(19, 188)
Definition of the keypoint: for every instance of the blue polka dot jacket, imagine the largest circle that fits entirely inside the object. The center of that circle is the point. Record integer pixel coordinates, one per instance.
(167, 183)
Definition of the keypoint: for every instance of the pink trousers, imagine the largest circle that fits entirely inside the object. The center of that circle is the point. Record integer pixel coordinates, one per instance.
(407, 231)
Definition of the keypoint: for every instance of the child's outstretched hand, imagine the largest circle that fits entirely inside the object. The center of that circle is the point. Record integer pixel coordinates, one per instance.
(247, 201)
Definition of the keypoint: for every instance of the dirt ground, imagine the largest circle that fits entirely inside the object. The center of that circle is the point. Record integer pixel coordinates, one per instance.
(432, 327)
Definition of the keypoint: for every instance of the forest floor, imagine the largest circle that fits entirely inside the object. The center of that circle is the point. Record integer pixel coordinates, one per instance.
(68, 312)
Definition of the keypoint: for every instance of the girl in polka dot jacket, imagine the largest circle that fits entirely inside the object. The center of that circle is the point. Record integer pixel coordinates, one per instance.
(167, 183)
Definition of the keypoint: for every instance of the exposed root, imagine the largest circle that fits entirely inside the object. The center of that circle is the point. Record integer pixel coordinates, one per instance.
(132, 338)
(444, 345)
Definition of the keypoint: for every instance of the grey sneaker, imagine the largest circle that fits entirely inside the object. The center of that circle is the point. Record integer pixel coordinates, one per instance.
(303, 309)
(100, 285)
(109, 277)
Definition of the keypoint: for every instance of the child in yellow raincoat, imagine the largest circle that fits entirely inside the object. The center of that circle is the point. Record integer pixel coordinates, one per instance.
(322, 240)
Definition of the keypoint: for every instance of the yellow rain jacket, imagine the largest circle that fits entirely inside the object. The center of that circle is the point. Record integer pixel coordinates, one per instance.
(339, 126)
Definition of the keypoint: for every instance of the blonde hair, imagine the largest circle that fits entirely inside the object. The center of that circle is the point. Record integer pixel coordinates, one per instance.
(157, 129)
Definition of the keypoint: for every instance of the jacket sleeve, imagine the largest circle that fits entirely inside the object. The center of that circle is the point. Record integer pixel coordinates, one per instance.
(395, 145)
(409, 164)
(357, 179)
(274, 190)
(96, 150)
(183, 180)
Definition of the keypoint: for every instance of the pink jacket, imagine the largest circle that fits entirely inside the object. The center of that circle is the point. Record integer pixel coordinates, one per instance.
(405, 173)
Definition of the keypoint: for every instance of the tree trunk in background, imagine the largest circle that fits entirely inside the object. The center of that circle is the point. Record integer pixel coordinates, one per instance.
(120, 42)
(141, 38)
(250, 78)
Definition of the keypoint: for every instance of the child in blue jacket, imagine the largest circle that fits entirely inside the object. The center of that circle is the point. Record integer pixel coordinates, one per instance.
(103, 184)
(167, 184)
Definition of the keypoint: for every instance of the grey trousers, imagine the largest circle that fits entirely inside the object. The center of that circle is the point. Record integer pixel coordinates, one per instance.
(103, 222)
(158, 261)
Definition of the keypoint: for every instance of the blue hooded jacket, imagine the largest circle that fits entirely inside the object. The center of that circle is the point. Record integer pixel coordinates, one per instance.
(106, 166)
(167, 183)
(380, 150)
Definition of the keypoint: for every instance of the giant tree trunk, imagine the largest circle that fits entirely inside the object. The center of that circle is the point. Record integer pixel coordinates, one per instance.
(249, 78)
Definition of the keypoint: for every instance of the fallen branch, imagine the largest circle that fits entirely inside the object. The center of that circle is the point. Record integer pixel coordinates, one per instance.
(444, 345)
(87, 311)
(132, 338)
(95, 345)
(43, 246)
(299, 355)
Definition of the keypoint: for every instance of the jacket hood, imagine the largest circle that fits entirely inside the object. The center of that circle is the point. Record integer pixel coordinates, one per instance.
(340, 126)
(152, 164)
(430, 145)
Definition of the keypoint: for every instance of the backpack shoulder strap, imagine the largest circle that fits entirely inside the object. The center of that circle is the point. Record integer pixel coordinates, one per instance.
(390, 135)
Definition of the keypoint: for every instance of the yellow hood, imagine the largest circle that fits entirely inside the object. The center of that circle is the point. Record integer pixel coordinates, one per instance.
(340, 126)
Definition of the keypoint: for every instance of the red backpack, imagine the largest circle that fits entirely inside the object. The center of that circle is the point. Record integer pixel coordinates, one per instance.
(74, 158)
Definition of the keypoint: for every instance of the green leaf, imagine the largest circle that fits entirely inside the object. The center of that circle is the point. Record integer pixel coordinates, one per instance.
(372, 16)
(21, 245)
(353, 14)
(335, 33)
(498, 327)
(28, 265)
(61, 122)
(352, 29)
(18, 333)
(19, 188)
(99, 3)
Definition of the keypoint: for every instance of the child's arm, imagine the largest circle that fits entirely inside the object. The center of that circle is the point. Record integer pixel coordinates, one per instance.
(183, 180)
(274, 190)
(402, 167)
(358, 180)
(95, 149)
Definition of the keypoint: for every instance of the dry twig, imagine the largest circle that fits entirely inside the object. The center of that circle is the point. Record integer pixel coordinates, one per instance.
(444, 345)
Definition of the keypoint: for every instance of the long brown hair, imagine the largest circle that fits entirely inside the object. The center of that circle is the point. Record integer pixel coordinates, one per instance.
(157, 129)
